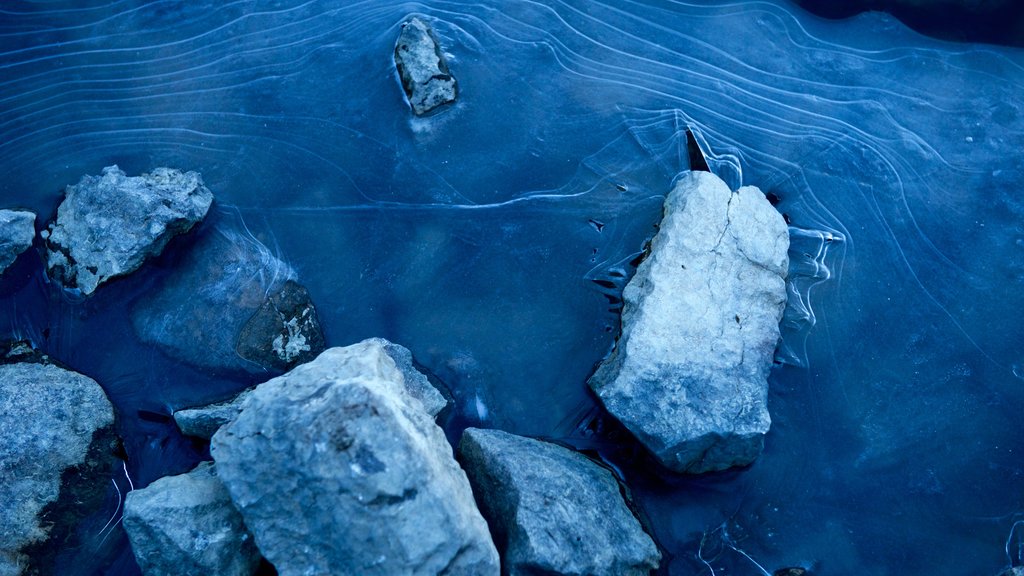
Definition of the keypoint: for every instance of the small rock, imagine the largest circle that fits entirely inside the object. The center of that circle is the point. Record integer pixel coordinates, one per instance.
(203, 422)
(553, 511)
(17, 228)
(422, 67)
(56, 435)
(337, 469)
(108, 225)
(700, 322)
(186, 525)
(1013, 571)
(790, 572)
(287, 315)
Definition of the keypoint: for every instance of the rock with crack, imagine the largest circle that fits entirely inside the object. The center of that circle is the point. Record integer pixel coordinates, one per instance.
(108, 225)
(422, 68)
(700, 322)
(552, 510)
(186, 525)
(56, 444)
(17, 228)
(203, 422)
(232, 306)
(337, 469)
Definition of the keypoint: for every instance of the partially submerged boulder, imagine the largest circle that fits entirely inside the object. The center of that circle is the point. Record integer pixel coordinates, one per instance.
(700, 322)
(17, 229)
(422, 68)
(56, 438)
(204, 421)
(337, 469)
(186, 525)
(552, 510)
(108, 225)
(232, 306)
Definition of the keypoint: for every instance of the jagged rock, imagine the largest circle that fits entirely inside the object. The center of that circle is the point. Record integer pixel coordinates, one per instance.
(552, 510)
(232, 306)
(108, 225)
(337, 469)
(186, 525)
(204, 421)
(700, 322)
(422, 68)
(56, 434)
(17, 228)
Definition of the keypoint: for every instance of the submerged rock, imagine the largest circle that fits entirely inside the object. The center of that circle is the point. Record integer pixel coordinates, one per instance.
(553, 511)
(186, 525)
(108, 225)
(56, 436)
(203, 422)
(17, 228)
(231, 306)
(700, 322)
(422, 68)
(337, 469)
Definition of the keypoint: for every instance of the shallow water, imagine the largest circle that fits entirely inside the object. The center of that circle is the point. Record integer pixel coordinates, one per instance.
(493, 239)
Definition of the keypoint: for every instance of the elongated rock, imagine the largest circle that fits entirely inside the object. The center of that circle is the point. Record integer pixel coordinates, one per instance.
(337, 469)
(700, 322)
(552, 510)
(108, 225)
(17, 228)
(422, 68)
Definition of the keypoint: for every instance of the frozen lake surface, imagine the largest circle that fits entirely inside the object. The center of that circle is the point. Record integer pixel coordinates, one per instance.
(493, 239)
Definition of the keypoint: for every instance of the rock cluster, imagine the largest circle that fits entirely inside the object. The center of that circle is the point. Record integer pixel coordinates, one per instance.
(422, 68)
(17, 229)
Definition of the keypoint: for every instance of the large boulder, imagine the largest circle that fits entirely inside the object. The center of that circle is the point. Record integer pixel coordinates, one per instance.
(337, 469)
(700, 322)
(186, 525)
(108, 225)
(204, 421)
(422, 68)
(552, 510)
(17, 228)
(56, 437)
(231, 306)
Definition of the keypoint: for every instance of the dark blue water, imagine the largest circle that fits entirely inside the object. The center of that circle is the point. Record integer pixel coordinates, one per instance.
(492, 239)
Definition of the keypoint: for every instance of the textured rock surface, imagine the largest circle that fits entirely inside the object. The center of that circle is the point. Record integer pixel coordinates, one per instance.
(51, 422)
(108, 225)
(422, 68)
(204, 421)
(552, 510)
(232, 306)
(186, 525)
(337, 469)
(17, 228)
(688, 375)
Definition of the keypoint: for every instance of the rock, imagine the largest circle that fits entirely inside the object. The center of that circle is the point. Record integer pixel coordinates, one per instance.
(56, 433)
(552, 510)
(203, 422)
(700, 322)
(232, 306)
(108, 225)
(422, 68)
(790, 572)
(186, 525)
(17, 228)
(1013, 571)
(337, 469)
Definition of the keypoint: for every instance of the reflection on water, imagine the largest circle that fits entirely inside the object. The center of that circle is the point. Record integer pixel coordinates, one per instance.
(493, 239)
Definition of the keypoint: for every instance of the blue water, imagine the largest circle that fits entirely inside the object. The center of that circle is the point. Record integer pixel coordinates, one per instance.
(493, 239)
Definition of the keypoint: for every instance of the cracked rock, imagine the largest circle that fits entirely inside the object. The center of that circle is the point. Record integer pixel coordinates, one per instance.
(422, 68)
(108, 225)
(700, 322)
(17, 228)
(337, 469)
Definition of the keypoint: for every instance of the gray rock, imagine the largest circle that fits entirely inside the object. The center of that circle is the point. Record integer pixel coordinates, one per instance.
(422, 68)
(52, 423)
(17, 228)
(232, 306)
(108, 225)
(700, 322)
(186, 525)
(337, 469)
(552, 510)
(204, 421)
